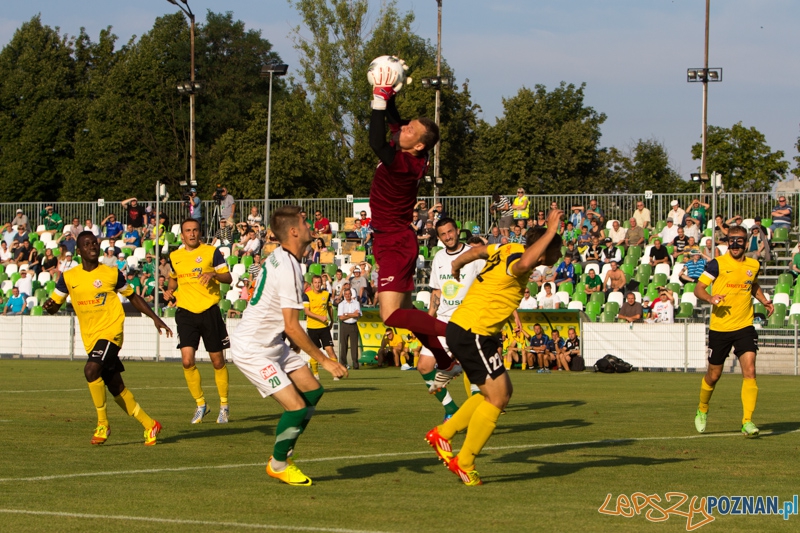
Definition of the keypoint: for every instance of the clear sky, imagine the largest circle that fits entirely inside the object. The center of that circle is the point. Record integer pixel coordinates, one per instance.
(633, 55)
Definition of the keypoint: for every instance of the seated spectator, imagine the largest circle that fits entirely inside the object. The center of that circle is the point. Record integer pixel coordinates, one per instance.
(755, 245)
(766, 236)
(610, 252)
(517, 235)
(565, 273)
(554, 347)
(709, 252)
(8, 234)
(322, 226)
(595, 230)
(76, 228)
(676, 213)
(134, 282)
(593, 282)
(50, 263)
(20, 219)
(570, 234)
(584, 239)
(416, 223)
(65, 262)
(421, 207)
(796, 263)
(6, 256)
(547, 300)
(109, 258)
(255, 269)
(132, 238)
(596, 213)
(52, 221)
(21, 236)
(25, 253)
(571, 349)
(694, 268)
(254, 217)
(573, 252)
(664, 308)
(90, 226)
(25, 283)
(631, 310)
(494, 236)
(615, 280)
(365, 220)
(164, 267)
(317, 248)
(617, 234)
(112, 243)
(122, 264)
(659, 254)
(635, 234)
(67, 240)
(642, 215)
(513, 348)
(679, 243)
(224, 235)
(540, 221)
(528, 302)
(669, 232)
(537, 354)
(337, 283)
(592, 255)
(720, 230)
(735, 220)
(359, 284)
(113, 227)
(391, 349)
(781, 215)
(691, 228)
(428, 236)
(436, 213)
(15, 305)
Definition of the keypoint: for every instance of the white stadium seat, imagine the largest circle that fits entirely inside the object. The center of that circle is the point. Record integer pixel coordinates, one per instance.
(424, 297)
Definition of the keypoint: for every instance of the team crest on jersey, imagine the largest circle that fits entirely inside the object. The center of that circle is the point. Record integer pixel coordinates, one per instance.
(749, 273)
(450, 289)
(268, 371)
(97, 283)
(199, 259)
(197, 271)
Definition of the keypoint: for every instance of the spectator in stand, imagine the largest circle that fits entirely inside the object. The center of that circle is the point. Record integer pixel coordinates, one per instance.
(735, 220)
(317, 248)
(795, 270)
(565, 273)
(255, 269)
(114, 229)
(322, 226)
(538, 350)
(539, 221)
(147, 265)
(707, 251)
(573, 253)
(22, 235)
(109, 258)
(502, 210)
(224, 235)
(254, 217)
(781, 215)
(631, 310)
(584, 239)
(593, 282)
(664, 308)
(610, 253)
(135, 212)
(554, 347)
(642, 215)
(680, 242)
(365, 220)
(359, 284)
(634, 236)
(765, 237)
(20, 218)
(66, 262)
(251, 244)
(571, 349)
(50, 263)
(25, 282)
(676, 213)
(364, 233)
(421, 208)
(720, 230)
(75, 228)
(494, 236)
(122, 264)
(547, 300)
(416, 224)
(337, 285)
(8, 234)
(592, 255)
(521, 206)
(90, 226)
(691, 228)
(24, 253)
(594, 212)
(617, 233)
(570, 234)
(693, 269)
(52, 221)
(437, 213)
(669, 232)
(595, 230)
(428, 236)
(577, 218)
(6, 256)
(528, 302)
(15, 304)
(112, 243)
(348, 311)
(615, 280)
(517, 235)
(659, 254)
(699, 212)
(755, 245)
(227, 206)
(67, 240)
(132, 238)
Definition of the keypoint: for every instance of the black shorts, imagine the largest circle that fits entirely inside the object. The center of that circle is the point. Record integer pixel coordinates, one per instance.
(476, 353)
(321, 337)
(208, 325)
(106, 354)
(720, 343)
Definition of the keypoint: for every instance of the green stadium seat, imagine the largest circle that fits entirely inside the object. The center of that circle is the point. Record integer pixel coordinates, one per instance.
(646, 232)
(150, 247)
(628, 269)
(661, 224)
(580, 288)
(315, 268)
(240, 305)
(579, 297)
(708, 232)
(224, 288)
(686, 310)
(674, 287)
(533, 287)
(371, 260)
(41, 295)
(611, 307)
(660, 280)
(592, 316)
(50, 286)
(780, 235)
(608, 317)
(169, 312)
(689, 288)
(423, 251)
(578, 269)
(37, 310)
(224, 305)
(766, 222)
(759, 309)
(419, 305)
(593, 307)
(15, 277)
(598, 297)
(470, 225)
(786, 278)
(569, 288)
(645, 270)
(232, 260)
(308, 276)
(247, 260)
(434, 250)
(783, 288)
(332, 268)
(794, 320)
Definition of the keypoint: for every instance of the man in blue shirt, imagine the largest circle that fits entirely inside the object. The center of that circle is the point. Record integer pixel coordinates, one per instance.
(113, 227)
(538, 345)
(694, 268)
(554, 346)
(132, 237)
(565, 273)
(15, 304)
(781, 214)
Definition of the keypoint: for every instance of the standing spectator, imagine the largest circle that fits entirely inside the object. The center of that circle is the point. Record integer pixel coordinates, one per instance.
(52, 220)
(15, 304)
(781, 215)
(501, 208)
(642, 215)
(765, 237)
(634, 236)
(322, 226)
(135, 212)
(421, 208)
(132, 238)
(227, 206)
(254, 217)
(359, 284)
(114, 229)
(348, 311)
(663, 308)
(521, 205)
(631, 311)
(195, 206)
(676, 213)
(20, 218)
(617, 233)
(699, 212)
(615, 280)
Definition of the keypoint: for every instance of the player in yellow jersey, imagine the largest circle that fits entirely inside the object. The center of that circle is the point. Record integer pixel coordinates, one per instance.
(197, 271)
(474, 335)
(93, 289)
(319, 316)
(734, 282)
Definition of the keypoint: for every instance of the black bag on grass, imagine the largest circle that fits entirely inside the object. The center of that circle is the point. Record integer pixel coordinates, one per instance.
(577, 364)
(611, 364)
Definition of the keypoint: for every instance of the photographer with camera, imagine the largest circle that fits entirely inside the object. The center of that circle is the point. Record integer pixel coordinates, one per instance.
(195, 205)
(502, 210)
(227, 204)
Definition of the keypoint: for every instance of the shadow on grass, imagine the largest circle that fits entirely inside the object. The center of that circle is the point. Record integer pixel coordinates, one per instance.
(538, 426)
(366, 470)
(778, 428)
(330, 389)
(543, 405)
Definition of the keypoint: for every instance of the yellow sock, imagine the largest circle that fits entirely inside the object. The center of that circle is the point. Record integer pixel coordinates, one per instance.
(460, 419)
(481, 427)
(194, 381)
(749, 397)
(706, 391)
(314, 366)
(507, 363)
(467, 384)
(97, 389)
(129, 405)
(221, 377)
(416, 360)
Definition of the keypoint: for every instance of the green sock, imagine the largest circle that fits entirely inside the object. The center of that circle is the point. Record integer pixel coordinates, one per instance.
(290, 426)
(312, 399)
(443, 396)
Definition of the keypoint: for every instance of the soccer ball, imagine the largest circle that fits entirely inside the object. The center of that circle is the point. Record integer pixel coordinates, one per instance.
(388, 68)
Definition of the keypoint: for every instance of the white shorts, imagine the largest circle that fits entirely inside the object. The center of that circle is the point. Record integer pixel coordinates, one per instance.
(267, 368)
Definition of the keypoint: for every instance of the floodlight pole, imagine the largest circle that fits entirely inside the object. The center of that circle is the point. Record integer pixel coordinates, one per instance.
(191, 89)
(704, 154)
(277, 70)
(438, 103)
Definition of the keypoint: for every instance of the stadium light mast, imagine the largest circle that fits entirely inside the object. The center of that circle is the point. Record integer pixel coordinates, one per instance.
(272, 69)
(191, 87)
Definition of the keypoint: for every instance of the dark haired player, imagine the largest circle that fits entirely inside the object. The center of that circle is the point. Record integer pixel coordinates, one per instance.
(93, 289)
(474, 334)
(734, 282)
(403, 162)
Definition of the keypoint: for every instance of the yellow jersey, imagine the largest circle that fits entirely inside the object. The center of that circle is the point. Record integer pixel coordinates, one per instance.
(494, 294)
(319, 304)
(187, 266)
(733, 279)
(93, 296)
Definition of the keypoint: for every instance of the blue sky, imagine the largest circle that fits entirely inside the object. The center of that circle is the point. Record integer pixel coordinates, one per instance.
(633, 55)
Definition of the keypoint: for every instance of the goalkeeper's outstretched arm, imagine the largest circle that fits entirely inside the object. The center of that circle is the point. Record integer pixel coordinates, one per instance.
(377, 131)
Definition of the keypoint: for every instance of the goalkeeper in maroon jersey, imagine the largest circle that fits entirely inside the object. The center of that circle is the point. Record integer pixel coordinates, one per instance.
(403, 162)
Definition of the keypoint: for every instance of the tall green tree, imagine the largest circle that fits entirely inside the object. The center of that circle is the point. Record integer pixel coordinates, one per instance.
(644, 167)
(796, 170)
(546, 141)
(743, 158)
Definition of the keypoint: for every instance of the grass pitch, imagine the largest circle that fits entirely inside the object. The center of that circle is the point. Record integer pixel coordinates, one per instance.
(566, 442)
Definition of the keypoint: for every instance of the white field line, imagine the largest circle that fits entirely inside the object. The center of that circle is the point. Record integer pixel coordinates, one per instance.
(151, 520)
(380, 455)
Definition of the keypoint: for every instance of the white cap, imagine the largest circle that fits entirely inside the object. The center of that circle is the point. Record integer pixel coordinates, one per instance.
(673, 203)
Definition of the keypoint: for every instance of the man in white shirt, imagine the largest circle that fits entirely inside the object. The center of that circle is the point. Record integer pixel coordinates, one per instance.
(264, 357)
(528, 302)
(642, 215)
(664, 309)
(348, 311)
(676, 213)
(669, 232)
(617, 233)
(25, 283)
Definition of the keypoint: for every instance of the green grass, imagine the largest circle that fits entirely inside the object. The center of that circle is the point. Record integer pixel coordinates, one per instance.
(565, 443)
